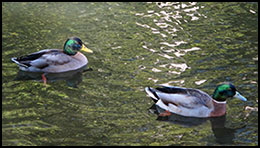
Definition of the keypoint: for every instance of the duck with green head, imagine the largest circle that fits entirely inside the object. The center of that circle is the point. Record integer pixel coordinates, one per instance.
(193, 102)
(55, 60)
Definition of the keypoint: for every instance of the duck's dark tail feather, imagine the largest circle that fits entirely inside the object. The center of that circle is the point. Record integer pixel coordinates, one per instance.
(14, 59)
(152, 93)
(25, 61)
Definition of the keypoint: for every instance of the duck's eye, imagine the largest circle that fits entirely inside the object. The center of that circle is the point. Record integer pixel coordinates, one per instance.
(76, 46)
(223, 92)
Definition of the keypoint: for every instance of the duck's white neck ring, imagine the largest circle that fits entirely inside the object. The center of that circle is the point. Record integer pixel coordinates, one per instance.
(220, 102)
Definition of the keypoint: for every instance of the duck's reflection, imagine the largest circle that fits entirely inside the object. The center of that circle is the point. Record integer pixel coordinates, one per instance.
(72, 78)
(222, 134)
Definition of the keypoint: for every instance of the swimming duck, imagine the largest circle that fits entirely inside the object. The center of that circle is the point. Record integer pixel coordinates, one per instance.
(55, 60)
(193, 102)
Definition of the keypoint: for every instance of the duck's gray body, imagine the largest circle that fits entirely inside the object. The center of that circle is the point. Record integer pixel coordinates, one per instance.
(51, 61)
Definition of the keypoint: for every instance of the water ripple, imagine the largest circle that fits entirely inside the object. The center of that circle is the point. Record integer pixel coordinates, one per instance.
(167, 22)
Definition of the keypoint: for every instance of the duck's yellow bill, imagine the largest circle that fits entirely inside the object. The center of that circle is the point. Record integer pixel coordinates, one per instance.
(84, 48)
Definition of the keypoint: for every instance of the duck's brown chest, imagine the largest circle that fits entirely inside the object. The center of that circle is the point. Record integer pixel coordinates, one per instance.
(219, 109)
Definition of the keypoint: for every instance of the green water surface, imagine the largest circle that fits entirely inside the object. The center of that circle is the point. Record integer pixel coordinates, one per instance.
(195, 45)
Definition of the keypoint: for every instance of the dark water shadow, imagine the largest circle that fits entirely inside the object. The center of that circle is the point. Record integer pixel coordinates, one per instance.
(72, 78)
(222, 134)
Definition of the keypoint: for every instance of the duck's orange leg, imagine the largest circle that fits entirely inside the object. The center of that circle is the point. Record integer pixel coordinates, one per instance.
(166, 113)
(44, 79)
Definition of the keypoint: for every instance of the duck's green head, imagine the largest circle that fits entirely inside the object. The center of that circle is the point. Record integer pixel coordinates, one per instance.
(73, 45)
(224, 91)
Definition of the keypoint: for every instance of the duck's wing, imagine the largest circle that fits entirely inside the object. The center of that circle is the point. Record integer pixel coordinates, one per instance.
(25, 61)
(178, 96)
(42, 59)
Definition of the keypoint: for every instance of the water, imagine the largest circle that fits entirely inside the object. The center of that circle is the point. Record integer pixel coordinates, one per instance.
(196, 45)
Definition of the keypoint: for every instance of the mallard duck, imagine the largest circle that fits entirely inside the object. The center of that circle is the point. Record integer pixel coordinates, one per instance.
(193, 102)
(55, 60)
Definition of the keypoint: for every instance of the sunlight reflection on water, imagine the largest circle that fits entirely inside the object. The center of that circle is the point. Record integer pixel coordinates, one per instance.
(168, 25)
